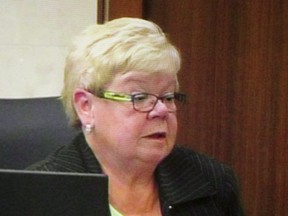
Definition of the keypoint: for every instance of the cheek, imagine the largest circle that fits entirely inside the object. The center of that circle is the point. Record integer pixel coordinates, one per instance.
(128, 131)
(125, 138)
(120, 126)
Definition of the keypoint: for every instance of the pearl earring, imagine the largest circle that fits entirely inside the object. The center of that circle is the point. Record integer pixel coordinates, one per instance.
(88, 128)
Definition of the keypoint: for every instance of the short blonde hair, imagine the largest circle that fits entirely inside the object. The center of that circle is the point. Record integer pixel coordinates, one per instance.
(118, 46)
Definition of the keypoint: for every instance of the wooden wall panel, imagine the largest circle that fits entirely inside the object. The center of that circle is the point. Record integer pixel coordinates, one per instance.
(125, 8)
(235, 72)
(260, 83)
(235, 59)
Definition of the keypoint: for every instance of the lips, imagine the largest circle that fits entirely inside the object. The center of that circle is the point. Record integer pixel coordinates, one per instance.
(158, 135)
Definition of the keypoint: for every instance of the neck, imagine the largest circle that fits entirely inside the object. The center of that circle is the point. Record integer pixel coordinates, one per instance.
(134, 198)
(132, 188)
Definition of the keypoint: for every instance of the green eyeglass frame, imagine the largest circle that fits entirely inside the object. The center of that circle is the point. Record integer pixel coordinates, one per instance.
(145, 102)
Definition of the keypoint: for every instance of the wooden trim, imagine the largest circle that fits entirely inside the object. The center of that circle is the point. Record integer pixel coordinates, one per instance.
(102, 11)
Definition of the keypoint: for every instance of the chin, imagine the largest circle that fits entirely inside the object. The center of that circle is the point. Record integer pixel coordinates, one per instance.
(156, 156)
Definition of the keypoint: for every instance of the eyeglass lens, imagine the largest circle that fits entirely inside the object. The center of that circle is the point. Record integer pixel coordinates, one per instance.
(146, 102)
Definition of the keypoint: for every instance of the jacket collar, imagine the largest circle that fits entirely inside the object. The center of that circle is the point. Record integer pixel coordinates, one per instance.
(180, 179)
(90, 162)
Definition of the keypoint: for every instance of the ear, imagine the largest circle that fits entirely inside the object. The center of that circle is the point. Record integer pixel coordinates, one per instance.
(84, 106)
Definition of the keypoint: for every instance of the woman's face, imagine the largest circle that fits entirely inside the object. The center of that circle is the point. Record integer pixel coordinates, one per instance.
(123, 133)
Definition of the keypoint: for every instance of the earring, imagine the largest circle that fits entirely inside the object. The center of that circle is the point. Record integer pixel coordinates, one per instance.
(88, 128)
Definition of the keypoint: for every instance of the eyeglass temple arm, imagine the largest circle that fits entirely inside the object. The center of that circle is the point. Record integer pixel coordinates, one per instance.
(180, 97)
(115, 96)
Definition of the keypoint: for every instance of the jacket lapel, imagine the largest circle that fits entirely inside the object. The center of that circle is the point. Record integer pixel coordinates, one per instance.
(180, 179)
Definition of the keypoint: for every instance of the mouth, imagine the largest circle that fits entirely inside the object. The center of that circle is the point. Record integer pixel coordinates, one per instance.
(158, 135)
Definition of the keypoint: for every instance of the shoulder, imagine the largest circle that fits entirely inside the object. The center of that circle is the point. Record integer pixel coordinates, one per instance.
(212, 170)
(196, 181)
(190, 167)
(67, 158)
(181, 156)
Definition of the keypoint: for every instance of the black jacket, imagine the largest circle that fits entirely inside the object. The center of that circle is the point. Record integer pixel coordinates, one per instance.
(190, 184)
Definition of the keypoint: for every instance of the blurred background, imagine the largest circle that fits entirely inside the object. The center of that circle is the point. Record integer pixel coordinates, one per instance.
(33, 43)
(234, 71)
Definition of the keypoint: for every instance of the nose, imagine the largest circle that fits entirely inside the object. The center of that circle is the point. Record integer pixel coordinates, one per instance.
(160, 110)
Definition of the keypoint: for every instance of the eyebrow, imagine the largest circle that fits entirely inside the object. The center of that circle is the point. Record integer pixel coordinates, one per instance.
(129, 79)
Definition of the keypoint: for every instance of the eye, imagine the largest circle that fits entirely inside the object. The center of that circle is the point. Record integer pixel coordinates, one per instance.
(140, 97)
(169, 97)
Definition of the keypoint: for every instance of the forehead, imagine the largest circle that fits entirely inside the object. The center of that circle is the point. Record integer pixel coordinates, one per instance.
(138, 78)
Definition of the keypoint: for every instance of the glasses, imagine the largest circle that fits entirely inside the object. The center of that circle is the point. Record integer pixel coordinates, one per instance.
(145, 102)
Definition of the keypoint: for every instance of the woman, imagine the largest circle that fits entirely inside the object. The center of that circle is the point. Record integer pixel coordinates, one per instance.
(121, 88)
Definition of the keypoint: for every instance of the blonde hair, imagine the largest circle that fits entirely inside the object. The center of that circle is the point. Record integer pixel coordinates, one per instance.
(118, 46)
